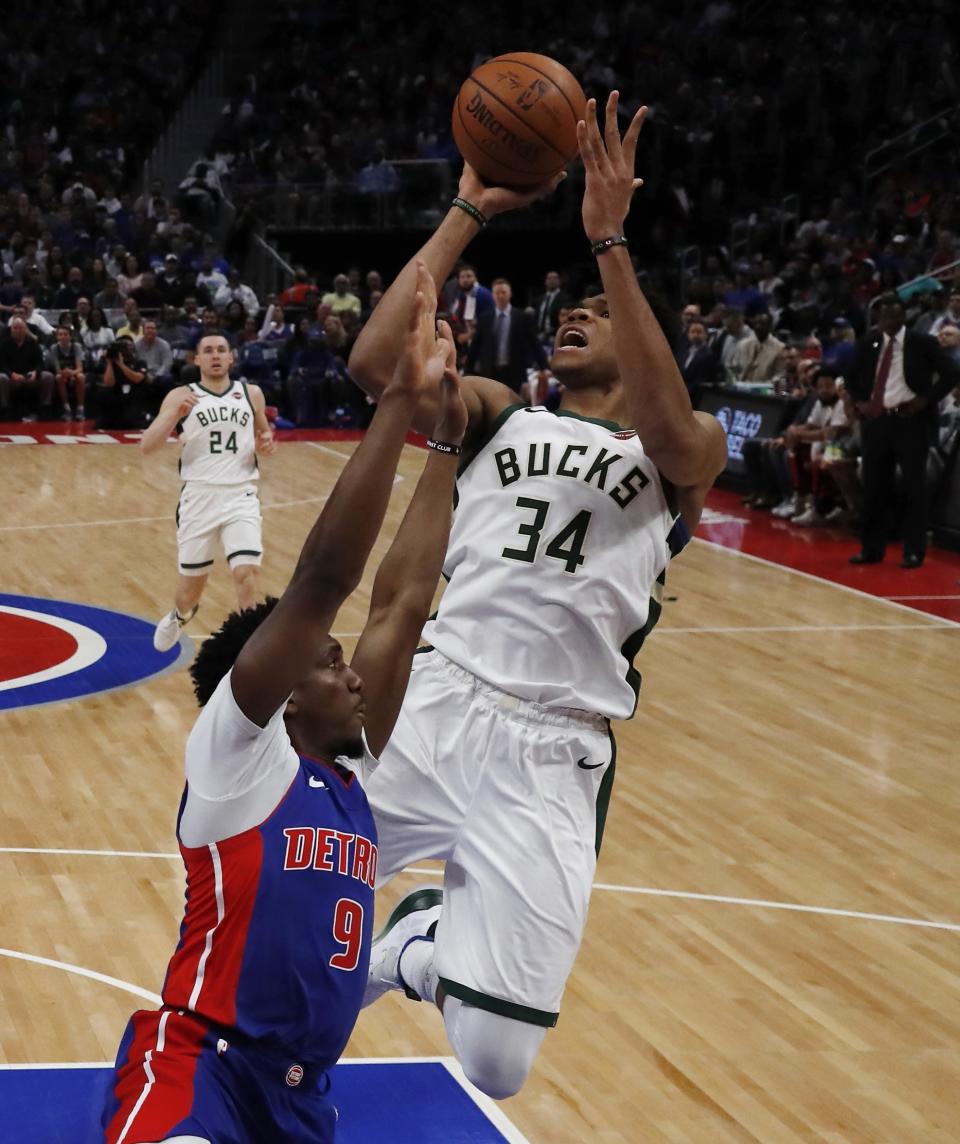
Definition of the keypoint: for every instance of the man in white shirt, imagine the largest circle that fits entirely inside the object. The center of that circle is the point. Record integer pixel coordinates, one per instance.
(235, 290)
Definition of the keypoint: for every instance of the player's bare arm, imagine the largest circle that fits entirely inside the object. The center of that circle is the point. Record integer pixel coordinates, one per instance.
(266, 444)
(688, 448)
(286, 646)
(407, 579)
(174, 407)
(371, 360)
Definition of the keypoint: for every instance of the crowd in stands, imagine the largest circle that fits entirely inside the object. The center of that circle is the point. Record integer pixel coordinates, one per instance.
(105, 293)
(747, 102)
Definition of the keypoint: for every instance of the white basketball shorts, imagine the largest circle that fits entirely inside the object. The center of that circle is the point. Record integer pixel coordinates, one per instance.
(214, 516)
(513, 796)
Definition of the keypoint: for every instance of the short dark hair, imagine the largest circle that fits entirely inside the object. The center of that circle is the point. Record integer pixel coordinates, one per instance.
(891, 298)
(218, 654)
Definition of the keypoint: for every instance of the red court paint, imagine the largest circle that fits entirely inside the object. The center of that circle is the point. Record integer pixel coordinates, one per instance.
(28, 646)
(825, 552)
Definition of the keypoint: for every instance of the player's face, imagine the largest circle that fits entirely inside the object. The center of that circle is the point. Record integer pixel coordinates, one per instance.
(327, 709)
(583, 351)
(214, 357)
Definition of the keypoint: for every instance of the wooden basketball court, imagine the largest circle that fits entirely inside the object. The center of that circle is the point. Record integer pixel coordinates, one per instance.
(773, 952)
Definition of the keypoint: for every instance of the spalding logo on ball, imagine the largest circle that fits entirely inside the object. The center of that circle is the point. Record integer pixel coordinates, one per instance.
(515, 119)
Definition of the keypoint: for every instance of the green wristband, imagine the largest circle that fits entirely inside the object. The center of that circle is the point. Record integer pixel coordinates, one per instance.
(474, 212)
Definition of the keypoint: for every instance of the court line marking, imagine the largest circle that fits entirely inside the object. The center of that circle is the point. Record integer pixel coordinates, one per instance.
(138, 519)
(943, 597)
(488, 1107)
(651, 891)
(942, 620)
(346, 456)
(805, 628)
(80, 971)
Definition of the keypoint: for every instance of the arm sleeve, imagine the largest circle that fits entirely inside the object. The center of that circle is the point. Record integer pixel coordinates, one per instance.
(236, 772)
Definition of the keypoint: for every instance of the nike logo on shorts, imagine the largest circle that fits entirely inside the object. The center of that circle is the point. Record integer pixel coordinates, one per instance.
(585, 766)
(318, 783)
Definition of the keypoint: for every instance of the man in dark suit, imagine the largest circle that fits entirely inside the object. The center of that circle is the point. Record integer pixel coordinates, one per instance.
(546, 308)
(700, 365)
(897, 379)
(505, 345)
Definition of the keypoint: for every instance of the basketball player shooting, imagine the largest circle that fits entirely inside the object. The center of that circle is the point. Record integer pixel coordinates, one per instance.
(278, 840)
(222, 427)
(502, 760)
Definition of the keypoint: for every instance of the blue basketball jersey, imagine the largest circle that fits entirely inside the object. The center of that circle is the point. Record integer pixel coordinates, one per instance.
(275, 939)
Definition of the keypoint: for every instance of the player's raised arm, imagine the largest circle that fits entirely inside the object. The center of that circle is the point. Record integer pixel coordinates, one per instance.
(286, 646)
(407, 578)
(688, 448)
(371, 360)
(174, 407)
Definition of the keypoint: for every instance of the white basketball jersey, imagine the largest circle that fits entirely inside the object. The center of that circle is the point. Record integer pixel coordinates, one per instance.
(556, 563)
(219, 438)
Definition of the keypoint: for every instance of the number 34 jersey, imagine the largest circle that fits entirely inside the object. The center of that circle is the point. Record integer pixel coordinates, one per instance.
(219, 437)
(561, 538)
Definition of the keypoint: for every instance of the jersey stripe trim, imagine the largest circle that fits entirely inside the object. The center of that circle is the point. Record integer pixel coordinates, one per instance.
(208, 944)
(603, 794)
(151, 1079)
(491, 431)
(530, 1016)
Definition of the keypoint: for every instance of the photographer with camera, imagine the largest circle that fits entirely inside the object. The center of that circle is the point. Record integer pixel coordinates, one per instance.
(122, 395)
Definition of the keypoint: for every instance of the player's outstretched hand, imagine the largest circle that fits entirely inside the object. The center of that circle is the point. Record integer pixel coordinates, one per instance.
(451, 421)
(493, 200)
(608, 162)
(420, 344)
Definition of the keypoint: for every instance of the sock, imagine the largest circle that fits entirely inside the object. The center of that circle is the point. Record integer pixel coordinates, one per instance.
(416, 968)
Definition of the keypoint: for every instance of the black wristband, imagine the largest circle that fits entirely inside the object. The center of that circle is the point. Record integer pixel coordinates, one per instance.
(606, 243)
(444, 447)
(474, 212)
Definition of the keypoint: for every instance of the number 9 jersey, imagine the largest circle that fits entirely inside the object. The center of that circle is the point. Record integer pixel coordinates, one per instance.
(219, 438)
(557, 558)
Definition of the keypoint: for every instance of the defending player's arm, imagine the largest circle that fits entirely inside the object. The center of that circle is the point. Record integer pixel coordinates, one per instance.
(407, 578)
(174, 407)
(371, 360)
(688, 448)
(285, 647)
(265, 440)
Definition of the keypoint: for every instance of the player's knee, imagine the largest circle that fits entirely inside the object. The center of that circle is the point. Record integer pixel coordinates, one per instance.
(496, 1053)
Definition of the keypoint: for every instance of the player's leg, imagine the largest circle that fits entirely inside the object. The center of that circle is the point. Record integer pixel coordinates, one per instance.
(517, 889)
(245, 580)
(196, 550)
(158, 1084)
(422, 788)
(241, 534)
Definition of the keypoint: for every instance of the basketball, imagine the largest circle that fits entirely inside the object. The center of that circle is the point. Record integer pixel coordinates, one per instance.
(515, 119)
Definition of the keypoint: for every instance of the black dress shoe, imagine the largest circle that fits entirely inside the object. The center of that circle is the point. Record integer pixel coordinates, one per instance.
(865, 558)
(911, 561)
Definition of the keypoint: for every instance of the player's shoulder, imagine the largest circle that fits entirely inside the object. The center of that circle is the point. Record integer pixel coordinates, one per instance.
(487, 402)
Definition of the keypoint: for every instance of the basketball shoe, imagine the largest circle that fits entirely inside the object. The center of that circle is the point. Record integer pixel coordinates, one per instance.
(414, 918)
(167, 632)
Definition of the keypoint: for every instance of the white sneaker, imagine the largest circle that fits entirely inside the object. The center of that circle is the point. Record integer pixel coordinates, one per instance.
(809, 519)
(415, 916)
(167, 632)
(785, 508)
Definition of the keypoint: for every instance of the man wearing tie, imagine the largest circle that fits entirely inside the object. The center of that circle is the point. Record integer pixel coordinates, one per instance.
(505, 345)
(897, 379)
(465, 300)
(547, 308)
